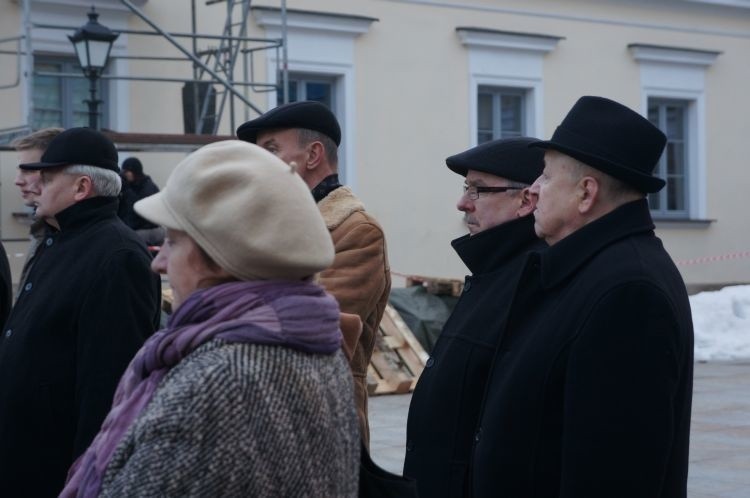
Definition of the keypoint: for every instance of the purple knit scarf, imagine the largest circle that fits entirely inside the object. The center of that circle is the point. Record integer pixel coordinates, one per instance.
(298, 315)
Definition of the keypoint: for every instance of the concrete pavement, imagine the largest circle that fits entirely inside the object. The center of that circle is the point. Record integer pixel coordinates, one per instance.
(720, 434)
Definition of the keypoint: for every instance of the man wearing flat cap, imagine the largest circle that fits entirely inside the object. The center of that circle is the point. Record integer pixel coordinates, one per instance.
(591, 387)
(87, 305)
(445, 404)
(307, 134)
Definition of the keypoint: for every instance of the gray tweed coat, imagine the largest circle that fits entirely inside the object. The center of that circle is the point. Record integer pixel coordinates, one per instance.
(243, 420)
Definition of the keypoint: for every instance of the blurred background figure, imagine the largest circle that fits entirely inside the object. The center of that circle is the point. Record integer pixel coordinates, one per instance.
(136, 186)
(246, 392)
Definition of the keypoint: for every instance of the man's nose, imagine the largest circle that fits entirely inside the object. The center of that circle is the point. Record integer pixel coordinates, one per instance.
(465, 204)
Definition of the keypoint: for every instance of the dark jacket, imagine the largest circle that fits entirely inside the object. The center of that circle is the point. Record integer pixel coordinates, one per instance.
(6, 289)
(87, 306)
(445, 404)
(132, 193)
(591, 387)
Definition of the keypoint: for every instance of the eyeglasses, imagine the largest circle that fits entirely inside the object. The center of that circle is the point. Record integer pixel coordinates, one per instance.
(473, 191)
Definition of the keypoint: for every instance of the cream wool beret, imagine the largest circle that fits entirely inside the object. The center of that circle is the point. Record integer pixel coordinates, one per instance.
(251, 213)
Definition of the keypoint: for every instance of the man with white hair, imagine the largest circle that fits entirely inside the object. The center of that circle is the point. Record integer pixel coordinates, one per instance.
(87, 305)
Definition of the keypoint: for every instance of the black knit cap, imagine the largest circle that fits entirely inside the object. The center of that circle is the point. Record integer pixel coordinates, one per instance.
(307, 114)
(78, 146)
(133, 164)
(612, 138)
(509, 158)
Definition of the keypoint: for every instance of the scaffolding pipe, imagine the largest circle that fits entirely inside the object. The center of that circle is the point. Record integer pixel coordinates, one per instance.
(160, 33)
(179, 47)
(284, 54)
(143, 78)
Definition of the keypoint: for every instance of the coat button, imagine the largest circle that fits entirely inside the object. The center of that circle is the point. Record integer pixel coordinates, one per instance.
(8, 333)
(478, 435)
(430, 362)
(409, 445)
(467, 285)
(49, 241)
(27, 287)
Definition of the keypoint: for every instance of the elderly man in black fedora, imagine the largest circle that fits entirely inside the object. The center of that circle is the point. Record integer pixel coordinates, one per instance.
(87, 305)
(591, 387)
(308, 134)
(497, 208)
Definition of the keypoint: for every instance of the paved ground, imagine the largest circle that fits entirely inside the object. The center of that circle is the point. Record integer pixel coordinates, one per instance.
(720, 439)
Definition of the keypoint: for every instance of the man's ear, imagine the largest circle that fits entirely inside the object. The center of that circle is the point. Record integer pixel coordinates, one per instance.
(528, 203)
(315, 153)
(588, 194)
(83, 188)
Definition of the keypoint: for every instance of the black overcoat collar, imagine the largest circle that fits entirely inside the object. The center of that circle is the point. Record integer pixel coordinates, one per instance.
(86, 212)
(561, 260)
(485, 251)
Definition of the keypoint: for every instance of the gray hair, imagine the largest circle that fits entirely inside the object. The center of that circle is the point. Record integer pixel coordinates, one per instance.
(305, 137)
(614, 190)
(519, 186)
(105, 183)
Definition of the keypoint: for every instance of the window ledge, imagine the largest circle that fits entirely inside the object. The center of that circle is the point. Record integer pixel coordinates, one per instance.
(682, 223)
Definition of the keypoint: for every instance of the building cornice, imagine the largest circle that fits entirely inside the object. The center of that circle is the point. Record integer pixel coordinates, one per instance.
(491, 38)
(742, 4)
(313, 20)
(674, 55)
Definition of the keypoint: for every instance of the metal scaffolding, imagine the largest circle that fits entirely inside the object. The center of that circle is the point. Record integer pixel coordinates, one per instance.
(213, 88)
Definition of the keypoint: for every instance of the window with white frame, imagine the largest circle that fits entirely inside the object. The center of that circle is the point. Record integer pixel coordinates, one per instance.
(311, 87)
(60, 100)
(321, 66)
(501, 113)
(505, 82)
(673, 97)
(671, 117)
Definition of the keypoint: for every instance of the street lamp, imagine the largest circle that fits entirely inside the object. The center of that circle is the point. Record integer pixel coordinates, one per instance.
(93, 43)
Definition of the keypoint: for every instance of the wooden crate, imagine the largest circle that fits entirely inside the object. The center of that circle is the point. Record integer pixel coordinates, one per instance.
(397, 360)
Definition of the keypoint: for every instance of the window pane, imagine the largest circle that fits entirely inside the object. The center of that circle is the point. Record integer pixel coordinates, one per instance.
(510, 118)
(676, 193)
(80, 110)
(671, 117)
(484, 112)
(675, 122)
(320, 92)
(484, 137)
(675, 158)
(292, 93)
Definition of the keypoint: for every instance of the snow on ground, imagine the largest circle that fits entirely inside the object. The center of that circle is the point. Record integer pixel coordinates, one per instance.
(722, 323)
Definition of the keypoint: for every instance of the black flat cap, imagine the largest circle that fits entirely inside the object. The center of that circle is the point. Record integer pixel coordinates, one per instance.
(307, 114)
(509, 158)
(612, 138)
(78, 146)
(133, 164)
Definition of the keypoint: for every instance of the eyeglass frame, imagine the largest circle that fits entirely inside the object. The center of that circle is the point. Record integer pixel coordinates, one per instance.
(473, 191)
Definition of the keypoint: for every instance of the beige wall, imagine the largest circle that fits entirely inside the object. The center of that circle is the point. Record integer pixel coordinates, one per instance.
(411, 98)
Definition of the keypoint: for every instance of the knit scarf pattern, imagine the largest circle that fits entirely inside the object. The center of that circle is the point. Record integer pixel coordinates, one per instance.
(298, 315)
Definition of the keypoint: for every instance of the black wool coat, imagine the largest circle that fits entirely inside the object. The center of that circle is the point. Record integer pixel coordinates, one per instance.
(87, 306)
(591, 388)
(445, 404)
(6, 290)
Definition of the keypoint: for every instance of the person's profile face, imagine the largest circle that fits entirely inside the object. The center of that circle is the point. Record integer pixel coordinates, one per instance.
(28, 181)
(556, 207)
(489, 209)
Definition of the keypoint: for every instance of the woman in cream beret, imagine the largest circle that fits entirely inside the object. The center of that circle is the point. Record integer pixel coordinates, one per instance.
(246, 391)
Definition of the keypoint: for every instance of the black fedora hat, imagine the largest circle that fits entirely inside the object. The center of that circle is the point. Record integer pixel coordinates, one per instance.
(510, 158)
(83, 146)
(612, 138)
(308, 114)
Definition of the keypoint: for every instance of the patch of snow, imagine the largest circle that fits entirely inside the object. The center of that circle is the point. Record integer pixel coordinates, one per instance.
(721, 320)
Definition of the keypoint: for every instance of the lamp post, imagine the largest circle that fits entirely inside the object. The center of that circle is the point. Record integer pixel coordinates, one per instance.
(92, 43)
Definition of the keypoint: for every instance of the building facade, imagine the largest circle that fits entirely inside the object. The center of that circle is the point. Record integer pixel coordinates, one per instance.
(412, 82)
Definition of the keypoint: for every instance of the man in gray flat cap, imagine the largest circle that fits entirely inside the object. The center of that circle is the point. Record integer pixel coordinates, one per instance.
(497, 208)
(307, 133)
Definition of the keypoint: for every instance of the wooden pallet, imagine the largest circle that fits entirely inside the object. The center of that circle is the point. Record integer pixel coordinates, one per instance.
(397, 359)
